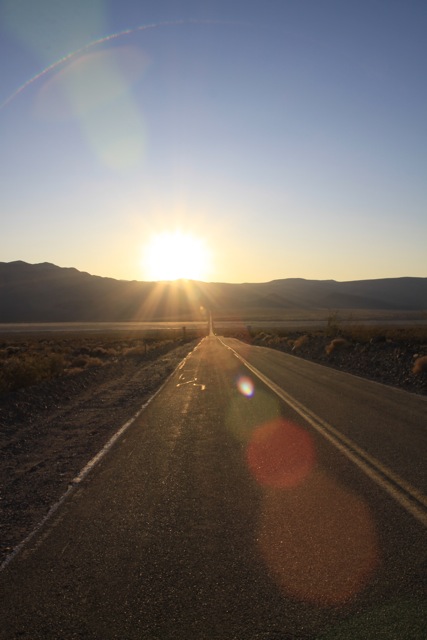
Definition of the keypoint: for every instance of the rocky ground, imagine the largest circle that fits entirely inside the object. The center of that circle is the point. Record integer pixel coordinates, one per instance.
(386, 360)
(51, 430)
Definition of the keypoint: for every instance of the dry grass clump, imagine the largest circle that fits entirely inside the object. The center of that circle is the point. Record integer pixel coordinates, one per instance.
(420, 365)
(26, 369)
(263, 337)
(28, 359)
(271, 340)
(336, 343)
(73, 371)
(143, 347)
(275, 341)
(84, 362)
(97, 351)
(300, 342)
(333, 324)
(102, 352)
(135, 351)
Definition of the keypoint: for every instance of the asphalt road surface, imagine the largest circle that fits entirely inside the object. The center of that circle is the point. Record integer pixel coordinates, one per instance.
(279, 501)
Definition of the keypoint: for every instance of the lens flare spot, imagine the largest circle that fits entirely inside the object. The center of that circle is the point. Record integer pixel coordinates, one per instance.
(280, 454)
(90, 82)
(96, 90)
(246, 386)
(319, 541)
(244, 417)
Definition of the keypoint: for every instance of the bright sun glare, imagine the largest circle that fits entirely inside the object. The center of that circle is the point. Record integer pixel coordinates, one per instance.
(174, 255)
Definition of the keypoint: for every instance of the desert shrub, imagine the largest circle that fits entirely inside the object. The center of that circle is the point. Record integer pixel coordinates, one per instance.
(79, 362)
(30, 366)
(333, 324)
(73, 371)
(55, 364)
(136, 351)
(93, 362)
(299, 342)
(336, 343)
(84, 361)
(13, 350)
(29, 359)
(19, 373)
(262, 337)
(420, 365)
(81, 351)
(267, 339)
(102, 352)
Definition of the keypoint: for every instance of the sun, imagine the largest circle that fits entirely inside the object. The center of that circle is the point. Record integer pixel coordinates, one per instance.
(175, 255)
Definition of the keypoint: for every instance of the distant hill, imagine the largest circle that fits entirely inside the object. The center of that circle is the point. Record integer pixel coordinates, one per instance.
(47, 293)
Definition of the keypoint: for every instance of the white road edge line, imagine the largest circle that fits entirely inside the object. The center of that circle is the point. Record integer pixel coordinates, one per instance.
(89, 466)
(395, 486)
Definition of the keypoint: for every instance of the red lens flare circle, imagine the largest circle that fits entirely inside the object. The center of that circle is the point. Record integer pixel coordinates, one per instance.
(280, 454)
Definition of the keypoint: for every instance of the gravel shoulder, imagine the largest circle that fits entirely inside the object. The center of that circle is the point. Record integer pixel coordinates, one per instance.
(51, 430)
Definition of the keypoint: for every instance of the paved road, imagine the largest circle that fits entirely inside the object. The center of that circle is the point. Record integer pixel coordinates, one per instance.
(387, 423)
(224, 512)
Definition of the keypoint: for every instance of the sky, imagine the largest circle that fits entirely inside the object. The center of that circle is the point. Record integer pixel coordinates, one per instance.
(259, 139)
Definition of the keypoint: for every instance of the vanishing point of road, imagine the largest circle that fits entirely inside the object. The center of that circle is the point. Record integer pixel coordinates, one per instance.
(258, 496)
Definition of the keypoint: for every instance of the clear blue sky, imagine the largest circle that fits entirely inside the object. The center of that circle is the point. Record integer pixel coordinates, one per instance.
(289, 135)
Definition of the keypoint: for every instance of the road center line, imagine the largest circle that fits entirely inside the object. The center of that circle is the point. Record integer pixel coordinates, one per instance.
(401, 491)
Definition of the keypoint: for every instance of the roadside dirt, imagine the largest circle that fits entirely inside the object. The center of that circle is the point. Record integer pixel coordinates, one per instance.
(51, 430)
(390, 362)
